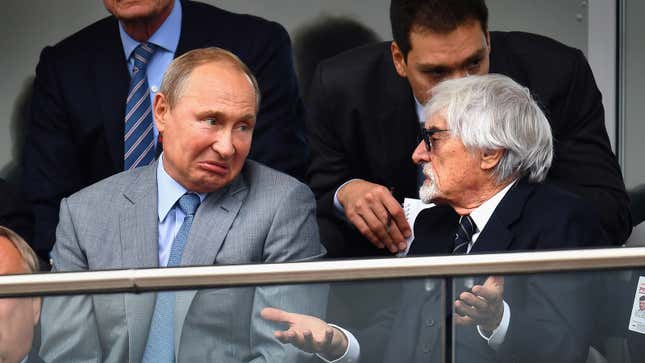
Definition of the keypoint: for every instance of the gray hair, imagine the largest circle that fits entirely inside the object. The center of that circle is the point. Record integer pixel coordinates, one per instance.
(174, 79)
(29, 259)
(491, 112)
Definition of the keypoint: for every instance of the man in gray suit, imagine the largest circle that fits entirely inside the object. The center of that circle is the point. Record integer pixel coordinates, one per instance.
(245, 213)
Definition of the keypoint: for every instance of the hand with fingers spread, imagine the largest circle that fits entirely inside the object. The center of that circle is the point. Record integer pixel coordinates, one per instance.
(308, 333)
(372, 209)
(483, 305)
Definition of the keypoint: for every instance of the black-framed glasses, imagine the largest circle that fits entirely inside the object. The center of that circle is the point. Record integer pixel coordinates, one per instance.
(426, 136)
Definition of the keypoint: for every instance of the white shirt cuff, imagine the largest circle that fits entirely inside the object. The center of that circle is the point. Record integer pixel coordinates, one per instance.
(498, 335)
(353, 352)
(340, 210)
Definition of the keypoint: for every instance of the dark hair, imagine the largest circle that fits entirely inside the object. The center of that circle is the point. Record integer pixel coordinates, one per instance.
(642, 298)
(440, 16)
(325, 37)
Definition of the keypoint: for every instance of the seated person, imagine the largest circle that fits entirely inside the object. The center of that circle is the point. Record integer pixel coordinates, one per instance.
(18, 317)
(90, 104)
(364, 115)
(485, 151)
(201, 203)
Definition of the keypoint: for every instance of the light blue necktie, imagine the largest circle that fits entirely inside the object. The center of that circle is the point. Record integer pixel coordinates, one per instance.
(139, 146)
(160, 347)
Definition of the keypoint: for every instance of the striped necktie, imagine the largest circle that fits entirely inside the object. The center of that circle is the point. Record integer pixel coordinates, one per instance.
(138, 140)
(464, 235)
(160, 345)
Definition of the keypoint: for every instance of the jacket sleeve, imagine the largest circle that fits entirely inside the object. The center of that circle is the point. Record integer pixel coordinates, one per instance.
(279, 139)
(69, 331)
(584, 162)
(51, 161)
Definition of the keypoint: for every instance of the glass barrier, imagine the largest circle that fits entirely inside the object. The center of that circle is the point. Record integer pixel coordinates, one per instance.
(576, 306)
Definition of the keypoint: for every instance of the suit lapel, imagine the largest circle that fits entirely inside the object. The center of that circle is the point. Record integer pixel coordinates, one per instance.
(213, 220)
(112, 81)
(193, 35)
(139, 238)
(497, 235)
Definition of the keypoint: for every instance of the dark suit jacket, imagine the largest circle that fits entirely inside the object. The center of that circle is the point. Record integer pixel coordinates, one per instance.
(362, 123)
(76, 133)
(15, 213)
(549, 322)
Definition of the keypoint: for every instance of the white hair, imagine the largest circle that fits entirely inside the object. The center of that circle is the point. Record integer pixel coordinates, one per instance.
(491, 112)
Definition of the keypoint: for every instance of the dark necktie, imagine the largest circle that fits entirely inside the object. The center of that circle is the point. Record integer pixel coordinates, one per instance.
(464, 235)
(160, 345)
(138, 137)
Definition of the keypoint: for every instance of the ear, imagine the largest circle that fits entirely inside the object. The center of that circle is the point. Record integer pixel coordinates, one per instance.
(399, 60)
(490, 158)
(36, 301)
(161, 110)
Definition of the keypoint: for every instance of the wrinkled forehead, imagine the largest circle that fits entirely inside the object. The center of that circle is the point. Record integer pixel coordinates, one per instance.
(222, 75)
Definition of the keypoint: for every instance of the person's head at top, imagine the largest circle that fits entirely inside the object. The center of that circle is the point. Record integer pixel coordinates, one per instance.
(436, 40)
(205, 112)
(140, 18)
(481, 133)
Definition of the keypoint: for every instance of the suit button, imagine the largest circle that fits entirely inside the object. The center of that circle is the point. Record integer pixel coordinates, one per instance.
(426, 348)
(430, 322)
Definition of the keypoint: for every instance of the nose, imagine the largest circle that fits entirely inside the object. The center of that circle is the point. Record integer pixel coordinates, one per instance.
(420, 154)
(223, 144)
(458, 73)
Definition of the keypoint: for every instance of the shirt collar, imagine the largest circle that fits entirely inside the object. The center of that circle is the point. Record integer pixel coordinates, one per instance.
(169, 191)
(481, 215)
(419, 108)
(166, 37)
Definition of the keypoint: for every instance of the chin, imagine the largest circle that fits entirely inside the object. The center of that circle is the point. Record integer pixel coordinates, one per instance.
(428, 192)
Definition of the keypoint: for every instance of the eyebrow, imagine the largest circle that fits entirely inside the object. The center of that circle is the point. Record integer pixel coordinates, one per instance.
(220, 115)
(440, 68)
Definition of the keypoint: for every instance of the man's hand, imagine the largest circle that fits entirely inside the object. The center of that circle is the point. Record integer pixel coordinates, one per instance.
(372, 209)
(308, 333)
(482, 306)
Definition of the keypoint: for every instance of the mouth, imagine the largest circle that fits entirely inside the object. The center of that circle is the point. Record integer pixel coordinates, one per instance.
(214, 167)
(427, 173)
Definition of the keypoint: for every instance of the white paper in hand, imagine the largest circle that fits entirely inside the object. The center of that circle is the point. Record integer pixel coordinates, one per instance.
(412, 207)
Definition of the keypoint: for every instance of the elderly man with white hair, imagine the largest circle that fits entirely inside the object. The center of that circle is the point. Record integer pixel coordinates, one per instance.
(485, 150)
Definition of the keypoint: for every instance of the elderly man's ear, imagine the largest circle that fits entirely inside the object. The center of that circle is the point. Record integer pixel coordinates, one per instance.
(490, 158)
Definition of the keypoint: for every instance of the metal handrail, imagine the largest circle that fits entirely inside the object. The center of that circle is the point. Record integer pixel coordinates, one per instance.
(140, 280)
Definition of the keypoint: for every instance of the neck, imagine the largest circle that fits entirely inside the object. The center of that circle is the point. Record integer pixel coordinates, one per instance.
(142, 29)
(473, 199)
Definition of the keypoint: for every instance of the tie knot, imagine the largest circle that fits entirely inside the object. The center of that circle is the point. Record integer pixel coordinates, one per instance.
(142, 55)
(464, 235)
(467, 226)
(189, 203)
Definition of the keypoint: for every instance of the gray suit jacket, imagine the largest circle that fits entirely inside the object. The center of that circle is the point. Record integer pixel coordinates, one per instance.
(262, 216)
